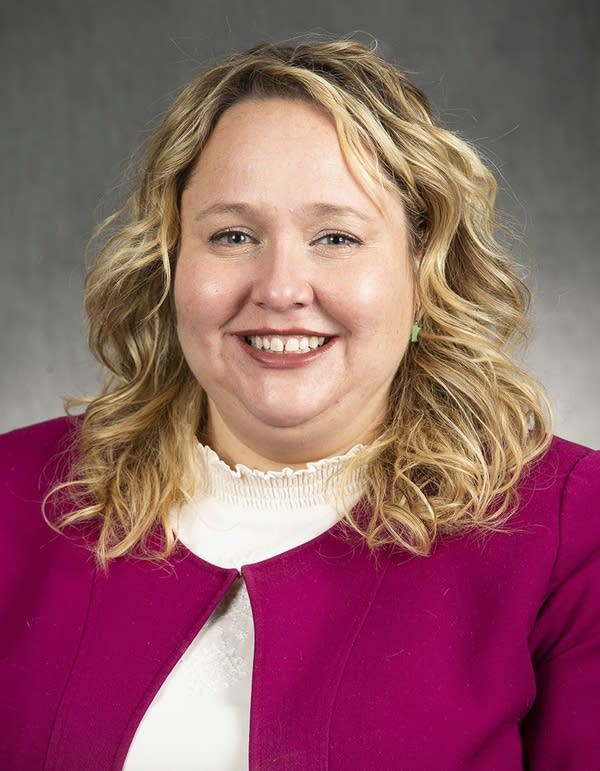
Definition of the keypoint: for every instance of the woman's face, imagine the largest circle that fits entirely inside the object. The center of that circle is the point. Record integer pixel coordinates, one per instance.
(294, 292)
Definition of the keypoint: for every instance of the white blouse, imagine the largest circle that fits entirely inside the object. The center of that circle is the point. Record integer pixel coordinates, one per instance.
(200, 718)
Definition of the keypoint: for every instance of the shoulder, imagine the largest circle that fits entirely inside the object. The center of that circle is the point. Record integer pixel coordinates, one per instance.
(32, 461)
(34, 445)
(33, 557)
(567, 472)
(560, 500)
(566, 487)
(562, 457)
(37, 456)
(581, 468)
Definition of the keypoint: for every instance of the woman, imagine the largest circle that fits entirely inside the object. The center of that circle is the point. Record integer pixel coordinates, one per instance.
(315, 518)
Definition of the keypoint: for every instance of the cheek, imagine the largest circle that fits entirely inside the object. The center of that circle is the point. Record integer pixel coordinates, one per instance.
(201, 299)
(380, 304)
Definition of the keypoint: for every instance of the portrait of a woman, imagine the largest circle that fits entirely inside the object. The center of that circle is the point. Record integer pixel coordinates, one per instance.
(316, 517)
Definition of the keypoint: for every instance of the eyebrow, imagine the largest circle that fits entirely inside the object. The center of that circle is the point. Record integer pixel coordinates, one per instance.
(320, 209)
(340, 211)
(222, 208)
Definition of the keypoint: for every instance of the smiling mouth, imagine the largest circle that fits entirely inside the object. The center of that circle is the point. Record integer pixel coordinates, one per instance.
(286, 343)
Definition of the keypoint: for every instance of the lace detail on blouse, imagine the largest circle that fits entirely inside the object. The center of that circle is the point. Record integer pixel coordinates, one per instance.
(224, 658)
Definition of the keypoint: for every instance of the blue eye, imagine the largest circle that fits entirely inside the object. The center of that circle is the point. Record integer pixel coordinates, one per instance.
(339, 239)
(231, 237)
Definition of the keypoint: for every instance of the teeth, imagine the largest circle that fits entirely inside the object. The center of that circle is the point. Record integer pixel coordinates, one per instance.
(296, 344)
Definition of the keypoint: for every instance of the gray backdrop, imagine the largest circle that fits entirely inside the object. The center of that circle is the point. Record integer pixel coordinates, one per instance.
(83, 83)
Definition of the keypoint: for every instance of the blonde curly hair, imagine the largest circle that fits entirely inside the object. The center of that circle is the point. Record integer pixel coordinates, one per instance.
(463, 418)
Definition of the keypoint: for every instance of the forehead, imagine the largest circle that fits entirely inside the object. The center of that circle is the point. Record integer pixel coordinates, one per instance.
(281, 149)
(271, 133)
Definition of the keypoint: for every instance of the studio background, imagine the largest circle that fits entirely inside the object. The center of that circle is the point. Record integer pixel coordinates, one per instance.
(83, 85)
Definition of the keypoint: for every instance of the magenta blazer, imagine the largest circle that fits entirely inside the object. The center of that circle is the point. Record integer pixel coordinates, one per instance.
(484, 655)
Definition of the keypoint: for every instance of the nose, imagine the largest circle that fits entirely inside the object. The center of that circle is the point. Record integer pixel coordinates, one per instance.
(282, 279)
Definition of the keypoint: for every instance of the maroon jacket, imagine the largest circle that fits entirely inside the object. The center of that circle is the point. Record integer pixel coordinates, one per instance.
(485, 655)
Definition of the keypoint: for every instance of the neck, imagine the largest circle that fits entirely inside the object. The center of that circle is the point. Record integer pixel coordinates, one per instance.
(286, 449)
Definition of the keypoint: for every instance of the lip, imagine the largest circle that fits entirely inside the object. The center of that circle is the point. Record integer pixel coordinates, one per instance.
(293, 332)
(283, 360)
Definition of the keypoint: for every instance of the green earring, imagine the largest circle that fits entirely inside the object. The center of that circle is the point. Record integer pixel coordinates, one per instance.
(414, 335)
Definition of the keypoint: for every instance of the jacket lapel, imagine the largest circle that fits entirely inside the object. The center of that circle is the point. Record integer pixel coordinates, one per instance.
(142, 617)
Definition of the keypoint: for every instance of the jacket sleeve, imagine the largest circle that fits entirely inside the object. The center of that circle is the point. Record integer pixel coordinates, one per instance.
(562, 731)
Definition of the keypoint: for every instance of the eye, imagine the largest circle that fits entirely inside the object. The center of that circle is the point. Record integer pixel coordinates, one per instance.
(231, 238)
(337, 239)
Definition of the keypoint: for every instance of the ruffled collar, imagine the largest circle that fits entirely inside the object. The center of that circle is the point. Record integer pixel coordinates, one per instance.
(315, 485)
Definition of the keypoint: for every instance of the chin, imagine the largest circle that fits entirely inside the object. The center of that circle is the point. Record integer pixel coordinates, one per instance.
(283, 421)
(285, 418)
